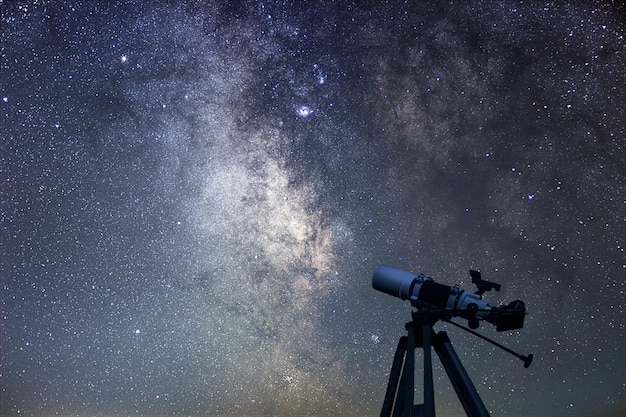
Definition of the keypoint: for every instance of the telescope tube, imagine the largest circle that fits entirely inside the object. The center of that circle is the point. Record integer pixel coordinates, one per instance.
(422, 291)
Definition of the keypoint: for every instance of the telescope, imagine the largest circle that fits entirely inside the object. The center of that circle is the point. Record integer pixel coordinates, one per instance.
(435, 302)
(424, 293)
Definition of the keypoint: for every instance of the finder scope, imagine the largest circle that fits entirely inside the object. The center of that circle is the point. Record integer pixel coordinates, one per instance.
(424, 293)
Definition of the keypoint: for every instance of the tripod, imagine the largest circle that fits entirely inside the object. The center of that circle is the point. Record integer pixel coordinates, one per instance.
(440, 302)
(400, 389)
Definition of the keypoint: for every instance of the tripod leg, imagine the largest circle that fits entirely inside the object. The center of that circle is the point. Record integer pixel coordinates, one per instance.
(419, 335)
(472, 403)
(404, 402)
(428, 407)
(394, 378)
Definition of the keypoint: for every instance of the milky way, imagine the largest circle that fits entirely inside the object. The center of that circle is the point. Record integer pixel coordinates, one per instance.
(195, 197)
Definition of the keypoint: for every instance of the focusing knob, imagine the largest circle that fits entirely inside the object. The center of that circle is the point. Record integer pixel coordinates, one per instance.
(472, 320)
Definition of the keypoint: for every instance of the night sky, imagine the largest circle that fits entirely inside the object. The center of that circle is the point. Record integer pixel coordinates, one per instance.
(195, 196)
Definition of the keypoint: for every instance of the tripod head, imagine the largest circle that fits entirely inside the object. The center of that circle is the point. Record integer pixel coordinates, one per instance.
(424, 293)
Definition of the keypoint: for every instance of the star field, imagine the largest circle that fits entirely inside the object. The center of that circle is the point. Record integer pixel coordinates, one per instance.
(195, 196)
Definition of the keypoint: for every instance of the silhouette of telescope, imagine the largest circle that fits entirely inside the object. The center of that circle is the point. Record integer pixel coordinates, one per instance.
(426, 294)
